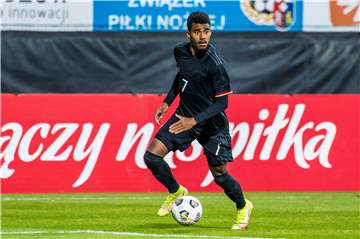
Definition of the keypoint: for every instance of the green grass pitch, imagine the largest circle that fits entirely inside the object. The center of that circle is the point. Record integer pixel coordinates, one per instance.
(133, 216)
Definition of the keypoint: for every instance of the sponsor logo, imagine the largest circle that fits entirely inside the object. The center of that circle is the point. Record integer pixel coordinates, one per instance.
(278, 13)
(52, 11)
(275, 135)
(345, 12)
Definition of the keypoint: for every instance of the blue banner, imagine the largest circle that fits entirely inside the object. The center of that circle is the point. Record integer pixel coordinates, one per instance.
(171, 15)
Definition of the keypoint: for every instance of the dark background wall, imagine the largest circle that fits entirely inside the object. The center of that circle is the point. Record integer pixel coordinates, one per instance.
(64, 62)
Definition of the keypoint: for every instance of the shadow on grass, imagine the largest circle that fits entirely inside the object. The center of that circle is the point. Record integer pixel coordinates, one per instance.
(207, 226)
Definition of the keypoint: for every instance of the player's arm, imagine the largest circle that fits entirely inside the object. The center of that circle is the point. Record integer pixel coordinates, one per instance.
(219, 105)
(173, 92)
(170, 97)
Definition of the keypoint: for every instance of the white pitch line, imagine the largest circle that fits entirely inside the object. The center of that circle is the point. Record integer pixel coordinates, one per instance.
(74, 198)
(94, 198)
(130, 234)
(134, 198)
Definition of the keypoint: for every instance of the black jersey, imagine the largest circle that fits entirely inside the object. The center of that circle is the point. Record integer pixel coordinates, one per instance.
(200, 79)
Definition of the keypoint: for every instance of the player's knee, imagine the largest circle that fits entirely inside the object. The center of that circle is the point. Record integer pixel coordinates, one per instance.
(157, 147)
(218, 170)
(151, 160)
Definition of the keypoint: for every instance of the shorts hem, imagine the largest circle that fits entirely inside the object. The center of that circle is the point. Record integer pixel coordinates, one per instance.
(166, 142)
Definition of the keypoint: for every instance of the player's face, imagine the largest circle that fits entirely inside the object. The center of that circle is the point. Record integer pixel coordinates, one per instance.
(199, 36)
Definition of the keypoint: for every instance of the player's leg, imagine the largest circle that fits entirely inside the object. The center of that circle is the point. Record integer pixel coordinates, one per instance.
(230, 185)
(217, 149)
(163, 143)
(154, 160)
(233, 190)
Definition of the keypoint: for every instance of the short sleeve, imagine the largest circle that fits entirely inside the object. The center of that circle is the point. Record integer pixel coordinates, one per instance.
(221, 82)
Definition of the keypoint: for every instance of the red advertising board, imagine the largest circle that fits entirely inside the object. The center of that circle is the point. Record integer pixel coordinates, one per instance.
(96, 142)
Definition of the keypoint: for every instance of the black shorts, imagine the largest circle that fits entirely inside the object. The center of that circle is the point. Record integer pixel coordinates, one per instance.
(217, 147)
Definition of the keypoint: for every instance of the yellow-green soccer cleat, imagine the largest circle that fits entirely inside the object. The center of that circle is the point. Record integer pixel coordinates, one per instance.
(243, 216)
(165, 208)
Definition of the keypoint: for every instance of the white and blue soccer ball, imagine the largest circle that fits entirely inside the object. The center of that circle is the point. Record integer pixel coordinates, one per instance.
(187, 210)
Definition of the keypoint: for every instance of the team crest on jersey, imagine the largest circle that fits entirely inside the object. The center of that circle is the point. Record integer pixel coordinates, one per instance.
(278, 13)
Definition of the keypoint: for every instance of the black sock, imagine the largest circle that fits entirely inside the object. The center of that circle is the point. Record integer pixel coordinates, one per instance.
(161, 170)
(231, 188)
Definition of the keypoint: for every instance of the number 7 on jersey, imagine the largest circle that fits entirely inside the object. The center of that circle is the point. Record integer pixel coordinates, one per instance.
(182, 90)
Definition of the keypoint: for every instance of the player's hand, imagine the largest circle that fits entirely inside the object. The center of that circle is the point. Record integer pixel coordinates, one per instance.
(160, 112)
(183, 124)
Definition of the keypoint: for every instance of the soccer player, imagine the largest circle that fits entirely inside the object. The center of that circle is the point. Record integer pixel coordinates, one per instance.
(203, 85)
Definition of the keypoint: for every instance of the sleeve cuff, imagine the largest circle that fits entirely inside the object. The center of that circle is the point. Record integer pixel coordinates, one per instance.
(198, 118)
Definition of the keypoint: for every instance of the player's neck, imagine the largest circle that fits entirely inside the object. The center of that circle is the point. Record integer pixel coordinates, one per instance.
(197, 53)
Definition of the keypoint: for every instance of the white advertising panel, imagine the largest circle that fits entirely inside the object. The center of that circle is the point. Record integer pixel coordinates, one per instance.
(331, 15)
(46, 15)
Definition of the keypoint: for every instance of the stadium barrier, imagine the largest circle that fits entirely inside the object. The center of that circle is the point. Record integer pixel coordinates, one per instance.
(286, 63)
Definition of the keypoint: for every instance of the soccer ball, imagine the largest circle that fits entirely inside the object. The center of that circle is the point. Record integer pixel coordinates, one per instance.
(186, 210)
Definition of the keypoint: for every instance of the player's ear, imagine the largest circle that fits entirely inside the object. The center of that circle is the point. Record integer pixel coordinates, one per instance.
(188, 34)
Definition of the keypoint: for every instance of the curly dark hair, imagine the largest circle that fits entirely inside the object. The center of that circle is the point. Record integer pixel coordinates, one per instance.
(197, 17)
